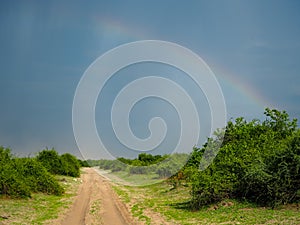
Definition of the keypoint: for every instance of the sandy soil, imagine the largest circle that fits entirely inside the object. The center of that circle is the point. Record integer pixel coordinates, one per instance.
(96, 203)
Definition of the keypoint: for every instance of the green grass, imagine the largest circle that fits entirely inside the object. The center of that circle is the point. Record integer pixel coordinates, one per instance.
(122, 193)
(138, 211)
(173, 205)
(40, 208)
(134, 179)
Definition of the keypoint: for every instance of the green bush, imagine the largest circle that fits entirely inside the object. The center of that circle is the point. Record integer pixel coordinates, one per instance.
(65, 164)
(19, 177)
(139, 170)
(11, 182)
(257, 161)
(36, 177)
(50, 160)
(84, 163)
(70, 165)
(171, 165)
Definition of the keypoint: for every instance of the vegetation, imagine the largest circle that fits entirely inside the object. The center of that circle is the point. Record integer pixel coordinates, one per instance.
(254, 178)
(146, 164)
(20, 177)
(258, 162)
(144, 159)
(83, 163)
(147, 203)
(40, 208)
(65, 164)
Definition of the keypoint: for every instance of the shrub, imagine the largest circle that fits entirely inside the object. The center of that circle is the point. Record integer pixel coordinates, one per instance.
(84, 163)
(70, 165)
(257, 161)
(20, 177)
(36, 177)
(11, 182)
(65, 164)
(50, 160)
(139, 169)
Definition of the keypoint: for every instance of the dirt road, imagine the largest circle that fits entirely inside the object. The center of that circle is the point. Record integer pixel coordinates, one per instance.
(96, 203)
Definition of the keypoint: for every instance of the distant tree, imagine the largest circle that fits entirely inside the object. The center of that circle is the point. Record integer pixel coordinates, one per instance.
(84, 163)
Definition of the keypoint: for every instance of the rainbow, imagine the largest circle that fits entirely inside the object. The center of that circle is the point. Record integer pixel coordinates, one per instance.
(247, 90)
(115, 32)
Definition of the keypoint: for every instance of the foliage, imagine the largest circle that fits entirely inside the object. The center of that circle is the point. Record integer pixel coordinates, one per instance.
(70, 165)
(83, 163)
(20, 177)
(40, 208)
(113, 165)
(164, 166)
(11, 183)
(257, 161)
(171, 165)
(65, 164)
(36, 177)
(144, 159)
(173, 206)
(50, 160)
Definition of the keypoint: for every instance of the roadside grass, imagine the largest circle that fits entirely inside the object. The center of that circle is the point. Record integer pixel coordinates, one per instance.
(40, 208)
(133, 179)
(138, 211)
(173, 206)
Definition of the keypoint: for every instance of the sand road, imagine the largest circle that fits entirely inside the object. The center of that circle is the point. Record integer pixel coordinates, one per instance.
(95, 191)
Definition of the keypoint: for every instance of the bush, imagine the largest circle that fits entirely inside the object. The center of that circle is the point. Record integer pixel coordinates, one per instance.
(259, 162)
(20, 177)
(70, 165)
(11, 182)
(84, 163)
(171, 165)
(36, 177)
(50, 160)
(139, 169)
(65, 164)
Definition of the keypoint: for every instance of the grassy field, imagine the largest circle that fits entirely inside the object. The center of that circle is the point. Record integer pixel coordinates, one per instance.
(134, 179)
(173, 206)
(41, 208)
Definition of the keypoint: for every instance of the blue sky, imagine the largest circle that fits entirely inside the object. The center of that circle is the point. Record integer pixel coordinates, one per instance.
(253, 47)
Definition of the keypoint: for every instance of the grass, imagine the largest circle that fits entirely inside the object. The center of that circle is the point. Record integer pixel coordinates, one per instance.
(94, 211)
(39, 209)
(138, 211)
(173, 206)
(133, 179)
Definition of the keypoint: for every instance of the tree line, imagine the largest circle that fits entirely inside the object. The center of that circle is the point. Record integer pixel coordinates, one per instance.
(163, 166)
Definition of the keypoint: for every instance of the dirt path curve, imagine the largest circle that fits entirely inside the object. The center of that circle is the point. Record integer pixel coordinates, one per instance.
(96, 203)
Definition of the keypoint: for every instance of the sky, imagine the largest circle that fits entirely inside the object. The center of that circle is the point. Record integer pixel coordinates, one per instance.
(252, 47)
